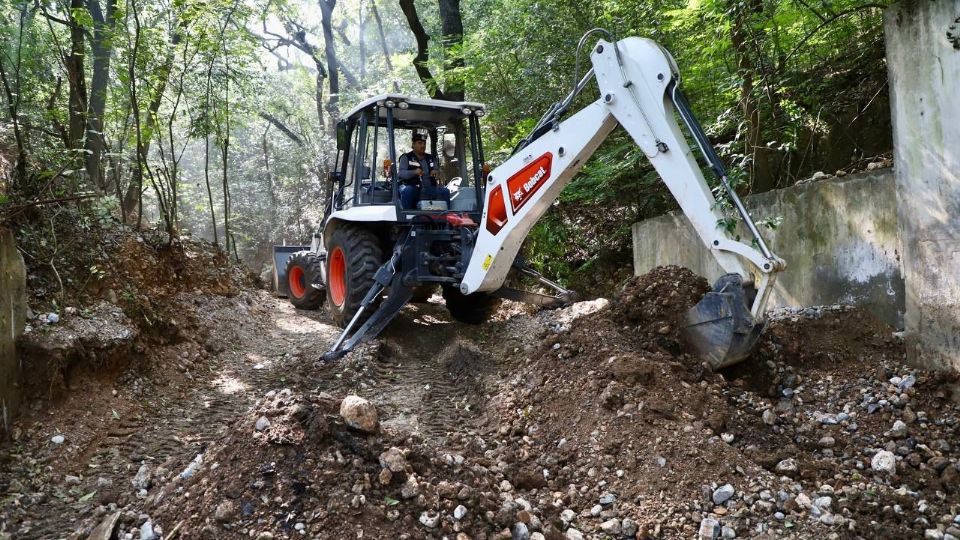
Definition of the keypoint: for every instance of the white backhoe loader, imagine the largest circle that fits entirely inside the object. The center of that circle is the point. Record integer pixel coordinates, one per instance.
(373, 255)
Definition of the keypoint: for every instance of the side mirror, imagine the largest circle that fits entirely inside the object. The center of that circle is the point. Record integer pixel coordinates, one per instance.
(334, 177)
(342, 142)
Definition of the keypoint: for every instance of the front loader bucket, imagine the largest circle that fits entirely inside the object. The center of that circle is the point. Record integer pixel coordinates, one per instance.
(720, 327)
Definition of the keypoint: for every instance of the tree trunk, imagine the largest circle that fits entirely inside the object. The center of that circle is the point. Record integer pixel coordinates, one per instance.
(739, 39)
(362, 43)
(423, 49)
(101, 48)
(383, 43)
(451, 29)
(76, 79)
(21, 166)
(326, 17)
(132, 197)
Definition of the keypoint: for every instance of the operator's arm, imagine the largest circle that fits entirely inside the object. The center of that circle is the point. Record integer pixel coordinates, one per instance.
(403, 169)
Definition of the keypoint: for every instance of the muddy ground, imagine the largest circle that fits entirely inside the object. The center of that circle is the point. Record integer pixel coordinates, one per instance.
(586, 422)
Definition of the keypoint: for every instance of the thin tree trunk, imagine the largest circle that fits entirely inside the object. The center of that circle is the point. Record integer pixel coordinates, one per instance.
(102, 51)
(739, 35)
(163, 73)
(383, 43)
(206, 160)
(76, 79)
(21, 167)
(362, 43)
(326, 18)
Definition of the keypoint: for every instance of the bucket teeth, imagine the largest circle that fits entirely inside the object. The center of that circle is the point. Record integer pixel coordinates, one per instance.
(720, 327)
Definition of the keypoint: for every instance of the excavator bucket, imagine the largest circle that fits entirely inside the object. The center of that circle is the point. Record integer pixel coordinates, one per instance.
(720, 327)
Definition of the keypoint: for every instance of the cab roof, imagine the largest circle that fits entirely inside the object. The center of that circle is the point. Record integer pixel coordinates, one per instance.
(418, 110)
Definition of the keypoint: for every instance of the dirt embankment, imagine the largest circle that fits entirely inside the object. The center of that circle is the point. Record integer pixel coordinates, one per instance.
(586, 422)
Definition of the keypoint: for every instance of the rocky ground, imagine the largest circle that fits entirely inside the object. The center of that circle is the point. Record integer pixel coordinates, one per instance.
(585, 422)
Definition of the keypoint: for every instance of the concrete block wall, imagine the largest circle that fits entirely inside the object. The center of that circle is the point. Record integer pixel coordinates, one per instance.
(13, 312)
(923, 64)
(839, 237)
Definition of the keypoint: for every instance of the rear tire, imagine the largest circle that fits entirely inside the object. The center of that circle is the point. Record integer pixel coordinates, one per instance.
(353, 257)
(303, 270)
(474, 308)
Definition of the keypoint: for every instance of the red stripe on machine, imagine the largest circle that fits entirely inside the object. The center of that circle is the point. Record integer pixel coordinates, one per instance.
(496, 210)
(528, 180)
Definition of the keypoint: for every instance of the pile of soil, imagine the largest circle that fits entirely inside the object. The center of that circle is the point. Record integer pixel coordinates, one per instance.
(131, 299)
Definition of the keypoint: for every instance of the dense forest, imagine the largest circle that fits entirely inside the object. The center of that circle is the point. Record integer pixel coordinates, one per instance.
(215, 118)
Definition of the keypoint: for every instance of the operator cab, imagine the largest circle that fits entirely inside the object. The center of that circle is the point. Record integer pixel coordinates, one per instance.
(373, 137)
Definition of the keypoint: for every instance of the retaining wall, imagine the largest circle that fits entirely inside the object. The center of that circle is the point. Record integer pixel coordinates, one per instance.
(839, 237)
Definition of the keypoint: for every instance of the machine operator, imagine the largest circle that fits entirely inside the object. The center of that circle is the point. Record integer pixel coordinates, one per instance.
(418, 176)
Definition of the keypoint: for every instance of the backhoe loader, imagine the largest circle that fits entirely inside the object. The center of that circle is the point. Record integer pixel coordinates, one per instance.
(372, 254)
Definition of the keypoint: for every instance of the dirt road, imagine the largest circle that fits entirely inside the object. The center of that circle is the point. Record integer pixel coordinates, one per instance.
(587, 422)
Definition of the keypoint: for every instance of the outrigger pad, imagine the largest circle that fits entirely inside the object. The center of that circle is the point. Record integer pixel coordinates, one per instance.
(720, 327)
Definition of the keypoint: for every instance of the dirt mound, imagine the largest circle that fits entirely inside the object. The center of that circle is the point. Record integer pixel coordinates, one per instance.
(656, 303)
(584, 422)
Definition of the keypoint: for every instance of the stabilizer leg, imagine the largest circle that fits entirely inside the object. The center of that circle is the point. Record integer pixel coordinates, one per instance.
(399, 295)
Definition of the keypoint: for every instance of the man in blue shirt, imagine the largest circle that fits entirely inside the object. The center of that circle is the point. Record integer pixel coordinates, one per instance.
(418, 176)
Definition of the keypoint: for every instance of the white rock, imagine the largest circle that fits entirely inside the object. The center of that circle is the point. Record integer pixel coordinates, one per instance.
(567, 516)
(595, 511)
(147, 532)
(58, 439)
(709, 529)
(723, 494)
(429, 519)
(932, 534)
(459, 512)
(359, 413)
(611, 526)
(728, 533)
(787, 466)
(727, 437)
(899, 429)
(142, 479)
(769, 417)
(573, 534)
(884, 462)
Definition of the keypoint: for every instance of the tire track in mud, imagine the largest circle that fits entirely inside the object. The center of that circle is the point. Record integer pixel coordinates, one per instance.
(427, 374)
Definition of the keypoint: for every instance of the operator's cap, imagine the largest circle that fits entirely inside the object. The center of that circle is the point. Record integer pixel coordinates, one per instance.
(419, 137)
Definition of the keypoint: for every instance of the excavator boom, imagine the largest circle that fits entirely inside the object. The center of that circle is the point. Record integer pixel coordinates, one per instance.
(639, 91)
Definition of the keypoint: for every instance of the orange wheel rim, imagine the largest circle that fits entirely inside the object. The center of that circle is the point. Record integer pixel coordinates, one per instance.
(298, 285)
(338, 276)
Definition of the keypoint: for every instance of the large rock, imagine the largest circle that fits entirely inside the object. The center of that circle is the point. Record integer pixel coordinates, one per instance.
(359, 413)
(393, 460)
(884, 462)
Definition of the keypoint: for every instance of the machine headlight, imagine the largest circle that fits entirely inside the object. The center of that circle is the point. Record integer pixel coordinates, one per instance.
(403, 105)
(390, 104)
(479, 112)
(466, 111)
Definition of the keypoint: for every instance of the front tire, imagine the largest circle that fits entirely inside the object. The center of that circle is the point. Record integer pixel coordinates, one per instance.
(353, 257)
(473, 308)
(303, 270)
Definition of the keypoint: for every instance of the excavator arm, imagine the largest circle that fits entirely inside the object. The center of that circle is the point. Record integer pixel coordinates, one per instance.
(639, 89)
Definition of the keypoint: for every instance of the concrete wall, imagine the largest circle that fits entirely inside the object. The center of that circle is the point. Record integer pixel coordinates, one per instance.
(839, 237)
(13, 311)
(923, 62)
